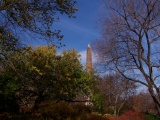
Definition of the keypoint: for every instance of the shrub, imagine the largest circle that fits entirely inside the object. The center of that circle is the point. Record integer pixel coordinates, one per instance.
(61, 111)
(83, 109)
(132, 115)
(151, 116)
(4, 116)
(96, 117)
(57, 111)
(108, 116)
(8, 104)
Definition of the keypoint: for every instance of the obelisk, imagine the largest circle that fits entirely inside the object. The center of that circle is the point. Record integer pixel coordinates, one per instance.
(89, 60)
(89, 71)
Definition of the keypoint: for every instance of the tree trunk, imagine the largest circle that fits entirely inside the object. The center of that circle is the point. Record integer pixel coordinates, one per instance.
(158, 110)
(156, 100)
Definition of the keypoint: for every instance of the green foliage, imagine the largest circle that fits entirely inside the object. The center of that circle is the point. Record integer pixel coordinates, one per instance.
(42, 74)
(98, 101)
(35, 17)
(71, 76)
(151, 116)
(8, 42)
(8, 86)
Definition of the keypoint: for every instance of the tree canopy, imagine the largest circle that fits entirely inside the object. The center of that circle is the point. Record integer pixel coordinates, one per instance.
(23, 19)
(42, 74)
(129, 42)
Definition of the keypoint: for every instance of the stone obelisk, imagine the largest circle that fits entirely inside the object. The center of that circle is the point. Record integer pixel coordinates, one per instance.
(89, 71)
(89, 60)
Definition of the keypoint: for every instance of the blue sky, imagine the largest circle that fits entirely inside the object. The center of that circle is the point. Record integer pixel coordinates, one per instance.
(80, 31)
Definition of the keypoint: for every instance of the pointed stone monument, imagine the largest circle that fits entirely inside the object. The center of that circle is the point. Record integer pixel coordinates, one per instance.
(89, 60)
(89, 71)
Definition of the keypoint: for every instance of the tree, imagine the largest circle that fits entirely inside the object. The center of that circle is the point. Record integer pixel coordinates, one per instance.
(116, 90)
(141, 106)
(130, 40)
(22, 19)
(8, 86)
(72, 79)
(44, 75)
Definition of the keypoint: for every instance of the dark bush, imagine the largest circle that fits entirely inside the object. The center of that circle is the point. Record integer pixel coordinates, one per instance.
(151, 116)
(95, 117)
(56, 111)
(8, 104)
